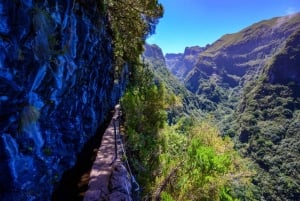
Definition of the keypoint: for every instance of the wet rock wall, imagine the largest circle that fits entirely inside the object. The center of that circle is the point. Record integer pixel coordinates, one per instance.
(57, 86)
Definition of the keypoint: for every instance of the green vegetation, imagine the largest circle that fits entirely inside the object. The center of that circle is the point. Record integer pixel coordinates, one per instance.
(185, 161)
(203, 165)
(266, 126)
(182, 102)
(250, 81)
(267, 131)
(131, 22)
(176, 157)
(144, 105)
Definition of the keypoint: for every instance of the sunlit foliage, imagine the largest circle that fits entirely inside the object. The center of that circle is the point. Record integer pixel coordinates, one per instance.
(185, 161)
(206, 166)
(131, 22)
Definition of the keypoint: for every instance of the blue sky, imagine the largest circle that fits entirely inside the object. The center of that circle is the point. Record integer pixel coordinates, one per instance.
(200, 22)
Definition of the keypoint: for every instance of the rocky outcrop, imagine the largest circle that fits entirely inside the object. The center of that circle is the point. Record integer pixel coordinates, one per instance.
(57, 87)
(153, 51)
(120, 184)
(285, 68)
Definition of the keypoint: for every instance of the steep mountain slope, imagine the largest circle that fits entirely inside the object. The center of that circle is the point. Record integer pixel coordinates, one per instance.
(224, 67)
(188, 155)
(63, 67)
(235, 59)
(268, 124)
(251, 80)
(189, 103)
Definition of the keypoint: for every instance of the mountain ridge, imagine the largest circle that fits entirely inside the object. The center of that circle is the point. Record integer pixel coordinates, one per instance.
(250, 80)
(268, 119)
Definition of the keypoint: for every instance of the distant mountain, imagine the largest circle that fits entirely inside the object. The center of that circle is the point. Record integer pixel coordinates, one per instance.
(180, 64)
(191, 105)
(237, 58)
(218, 72)
(250, 82)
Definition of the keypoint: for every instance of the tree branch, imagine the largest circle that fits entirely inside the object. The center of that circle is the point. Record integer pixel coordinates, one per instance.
(156, 195)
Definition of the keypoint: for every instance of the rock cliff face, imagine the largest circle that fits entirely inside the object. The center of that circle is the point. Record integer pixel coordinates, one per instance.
(285, 68)
(57, 86)
(153, 51)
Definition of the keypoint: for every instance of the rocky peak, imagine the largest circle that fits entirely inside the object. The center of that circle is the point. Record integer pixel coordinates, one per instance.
(194, 50)
(170, 56)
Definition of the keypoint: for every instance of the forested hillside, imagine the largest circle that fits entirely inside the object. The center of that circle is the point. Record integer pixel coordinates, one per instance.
(250, 80)
(182, 159)
(268, 125)
(184, 103)
(224, 67)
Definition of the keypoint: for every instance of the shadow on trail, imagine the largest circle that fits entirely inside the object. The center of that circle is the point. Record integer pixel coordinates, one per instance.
(74, 182)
